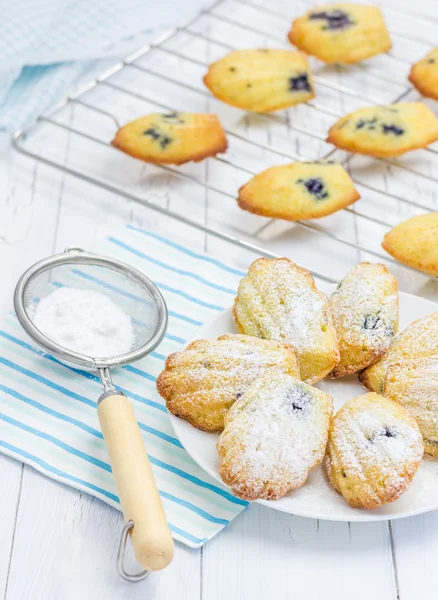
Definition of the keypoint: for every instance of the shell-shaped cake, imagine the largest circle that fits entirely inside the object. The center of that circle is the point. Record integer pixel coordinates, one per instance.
(346, 33)
(261, 80)
(203, 381)
(373, 452)
(274, 435)
(386, 130)
(419, 340)
(173, 138)
(415, 243)
(414, 385)
(424, 75)
(302, 190)
(365, 314)
(278, 300)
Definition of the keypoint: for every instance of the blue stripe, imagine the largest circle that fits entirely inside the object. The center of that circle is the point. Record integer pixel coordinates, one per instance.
(56, 442)
(189, 536)
(207, 516)
(51, 412)
(140, 372)
(47, 382)
(174, 338)
(91, 486)
(159, 356)
(162, 435)
(176, 315)
(197, 481)
(169, 267)
(185, 250)
(164, 286)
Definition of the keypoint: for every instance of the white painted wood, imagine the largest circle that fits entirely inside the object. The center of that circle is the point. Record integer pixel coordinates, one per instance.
(10, 476)
(267, 554)
(66, 544)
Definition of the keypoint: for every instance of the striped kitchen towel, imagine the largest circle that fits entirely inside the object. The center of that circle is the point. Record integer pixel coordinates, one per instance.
(48, 415)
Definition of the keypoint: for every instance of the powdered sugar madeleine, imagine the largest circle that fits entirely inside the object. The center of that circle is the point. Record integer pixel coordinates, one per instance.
(261, 79)
(203, 381)
(302, 190)
(274, 435)
(414, 385)
(415, 243)
(278, 300)
(365, 315)
(373, 452)
(419, 340)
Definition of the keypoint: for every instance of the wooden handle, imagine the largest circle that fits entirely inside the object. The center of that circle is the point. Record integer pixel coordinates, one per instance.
(151, 539)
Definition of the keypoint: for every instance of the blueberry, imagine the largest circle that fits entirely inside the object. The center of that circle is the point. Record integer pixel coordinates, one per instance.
(153, 133)
(388, 432)
(371, 322)
(238, 395)
(395, 129)
(335, 19)
(300, 83)
(368, 123)
(297, 401)
(315, 186)
(165, 141)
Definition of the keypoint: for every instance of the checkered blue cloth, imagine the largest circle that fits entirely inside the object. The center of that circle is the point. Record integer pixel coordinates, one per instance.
(46, 45)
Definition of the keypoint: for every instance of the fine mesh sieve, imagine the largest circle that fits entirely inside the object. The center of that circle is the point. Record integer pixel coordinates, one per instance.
(139, 298)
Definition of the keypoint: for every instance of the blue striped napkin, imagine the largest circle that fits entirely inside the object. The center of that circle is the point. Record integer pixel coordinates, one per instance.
(48, 415)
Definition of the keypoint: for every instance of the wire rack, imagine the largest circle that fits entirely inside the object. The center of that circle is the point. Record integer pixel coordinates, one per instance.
(167, 75)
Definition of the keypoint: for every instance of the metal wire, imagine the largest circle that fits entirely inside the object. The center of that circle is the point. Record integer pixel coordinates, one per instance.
(130, 62)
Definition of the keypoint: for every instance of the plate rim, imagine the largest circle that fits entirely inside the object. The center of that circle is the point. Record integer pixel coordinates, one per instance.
(362, 514)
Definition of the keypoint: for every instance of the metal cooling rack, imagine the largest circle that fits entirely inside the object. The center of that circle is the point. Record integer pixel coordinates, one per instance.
(217, 30)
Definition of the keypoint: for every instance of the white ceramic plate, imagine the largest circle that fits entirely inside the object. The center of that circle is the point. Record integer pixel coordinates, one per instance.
(316, 498)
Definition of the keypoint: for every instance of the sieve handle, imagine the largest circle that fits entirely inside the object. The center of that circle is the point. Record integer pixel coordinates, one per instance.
(150, 536)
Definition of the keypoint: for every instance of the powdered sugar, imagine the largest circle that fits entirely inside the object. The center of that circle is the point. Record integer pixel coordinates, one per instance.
(85, 321)
(274, 434)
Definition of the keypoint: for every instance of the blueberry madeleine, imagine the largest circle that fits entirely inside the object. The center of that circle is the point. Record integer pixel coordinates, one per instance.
(346, 33)
(373, 452)
(386, 130)
(202, 382)
(419, 340)
(414, 385)
(172, 138)
(274, 435)
(424, 75)
(261, 80)
(365, 315)
(415, 243)
(305, 190)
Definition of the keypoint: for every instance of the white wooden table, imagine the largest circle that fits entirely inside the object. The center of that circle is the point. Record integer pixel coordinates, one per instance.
(56, 543)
